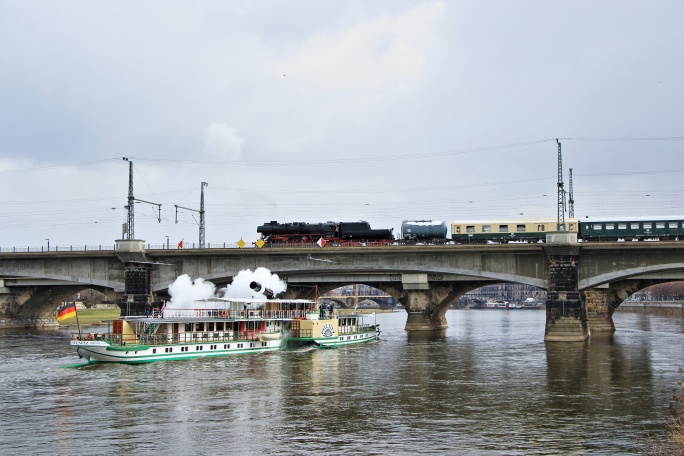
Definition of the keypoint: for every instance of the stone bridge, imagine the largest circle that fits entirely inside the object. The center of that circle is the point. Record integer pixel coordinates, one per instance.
(585, 282)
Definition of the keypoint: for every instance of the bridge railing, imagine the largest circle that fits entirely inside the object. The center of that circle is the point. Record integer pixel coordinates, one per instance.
(112, 247)
(186, 246)
(58, 248)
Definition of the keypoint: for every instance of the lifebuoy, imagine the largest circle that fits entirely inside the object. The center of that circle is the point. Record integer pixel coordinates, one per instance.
(224, 313)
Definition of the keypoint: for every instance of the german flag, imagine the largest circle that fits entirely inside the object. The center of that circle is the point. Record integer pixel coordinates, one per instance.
(66, 311)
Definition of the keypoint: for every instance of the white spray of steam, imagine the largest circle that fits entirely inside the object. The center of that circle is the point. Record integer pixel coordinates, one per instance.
(184, 292)
(239, 289)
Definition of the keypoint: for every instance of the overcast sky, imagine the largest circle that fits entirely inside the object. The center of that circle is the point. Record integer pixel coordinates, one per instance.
(332, 110)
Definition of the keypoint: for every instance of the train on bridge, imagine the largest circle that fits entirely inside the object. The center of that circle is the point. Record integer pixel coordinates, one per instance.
(465, 232)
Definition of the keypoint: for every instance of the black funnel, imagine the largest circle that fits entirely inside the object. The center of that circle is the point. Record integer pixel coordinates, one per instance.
(256, 286)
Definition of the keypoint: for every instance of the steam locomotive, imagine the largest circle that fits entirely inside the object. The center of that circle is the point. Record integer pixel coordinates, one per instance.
(274, 232)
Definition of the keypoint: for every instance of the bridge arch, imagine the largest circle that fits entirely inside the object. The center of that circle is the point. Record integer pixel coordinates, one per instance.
(622, 274)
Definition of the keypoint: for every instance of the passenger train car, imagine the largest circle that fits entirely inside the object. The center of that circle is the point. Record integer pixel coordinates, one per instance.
(632, 229)
(507, 230)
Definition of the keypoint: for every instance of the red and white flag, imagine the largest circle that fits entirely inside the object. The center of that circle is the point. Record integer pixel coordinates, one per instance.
(321, 242)
(180, 244)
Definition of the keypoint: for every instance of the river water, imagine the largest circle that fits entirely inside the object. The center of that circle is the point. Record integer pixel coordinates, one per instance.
(487, 385)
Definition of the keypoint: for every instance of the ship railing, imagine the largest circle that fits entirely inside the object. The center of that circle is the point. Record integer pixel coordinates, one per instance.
(200, 337)
(228, 314)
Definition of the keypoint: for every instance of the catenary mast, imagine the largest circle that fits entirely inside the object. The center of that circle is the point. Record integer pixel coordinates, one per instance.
(561, 191)
(201, 213)
(571, 201)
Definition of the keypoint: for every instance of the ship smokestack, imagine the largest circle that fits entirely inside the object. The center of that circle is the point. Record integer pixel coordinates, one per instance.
(256, 286)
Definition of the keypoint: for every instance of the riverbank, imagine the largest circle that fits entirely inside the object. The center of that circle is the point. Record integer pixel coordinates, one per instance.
(674, 308)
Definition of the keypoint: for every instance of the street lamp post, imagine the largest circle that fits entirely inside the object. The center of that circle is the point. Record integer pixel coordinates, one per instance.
(48, 242)
(167, 243)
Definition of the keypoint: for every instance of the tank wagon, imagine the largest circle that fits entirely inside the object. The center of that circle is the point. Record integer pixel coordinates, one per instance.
(274, 232)
(414, 231)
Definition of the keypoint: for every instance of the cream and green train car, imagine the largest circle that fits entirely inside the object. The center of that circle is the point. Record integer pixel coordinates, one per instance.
(670, 228)
(507, 230)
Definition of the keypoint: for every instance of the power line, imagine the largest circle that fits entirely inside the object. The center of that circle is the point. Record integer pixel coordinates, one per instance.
(346, 160)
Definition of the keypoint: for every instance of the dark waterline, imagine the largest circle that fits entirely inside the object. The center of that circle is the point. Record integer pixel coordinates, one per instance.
(486, 385)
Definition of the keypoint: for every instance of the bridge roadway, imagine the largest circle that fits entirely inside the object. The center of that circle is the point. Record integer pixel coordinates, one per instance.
(585, 282)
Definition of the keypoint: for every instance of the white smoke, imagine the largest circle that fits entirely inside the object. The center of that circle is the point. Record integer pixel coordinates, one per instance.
(184, 292)
(240, 289)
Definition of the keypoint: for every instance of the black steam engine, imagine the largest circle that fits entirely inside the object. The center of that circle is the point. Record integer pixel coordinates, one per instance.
(274, 232)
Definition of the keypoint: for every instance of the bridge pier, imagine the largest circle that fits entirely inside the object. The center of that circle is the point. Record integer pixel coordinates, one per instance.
(602, 302)
(599, 310)
(426, 308)
(566, 315)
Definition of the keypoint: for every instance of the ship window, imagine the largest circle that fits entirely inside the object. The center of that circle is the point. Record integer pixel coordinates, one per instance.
(219, 326)
(660, 225)
(188, 327)
(210, 326)
(470, 229)
(673, 225)
(597, 227)
(458, 230)
(251, 344)
(610, 226)
(520, 228)
(541, 228)
(486, 228)
(263, 344)
(503, 228)
(199, 327)
(634, 226)
(622, 226)
(154, 350)
(572, 227)
(648, 226)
